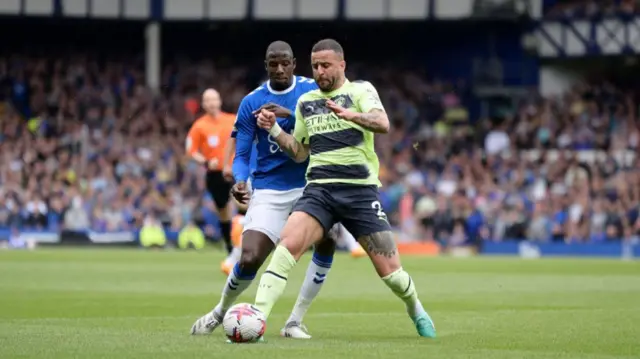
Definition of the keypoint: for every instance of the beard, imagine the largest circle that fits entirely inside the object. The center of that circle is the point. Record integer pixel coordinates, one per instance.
(326, 84)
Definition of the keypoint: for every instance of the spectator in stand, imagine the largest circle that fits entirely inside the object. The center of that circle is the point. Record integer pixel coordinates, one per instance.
(84, 145)
(76, 218)
(498, 141)
(539, 228)
(521, 186)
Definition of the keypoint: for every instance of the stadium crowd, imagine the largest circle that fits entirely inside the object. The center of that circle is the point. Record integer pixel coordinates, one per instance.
(85, 145)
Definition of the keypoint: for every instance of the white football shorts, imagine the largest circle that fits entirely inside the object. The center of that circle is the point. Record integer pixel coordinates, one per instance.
(269, 210)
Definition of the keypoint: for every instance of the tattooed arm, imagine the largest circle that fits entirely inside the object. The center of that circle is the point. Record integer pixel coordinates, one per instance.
(296, 150)
(375, 121)
(372, 116)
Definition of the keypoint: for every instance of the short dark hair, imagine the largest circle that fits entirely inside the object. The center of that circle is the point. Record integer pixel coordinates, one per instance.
(328, 44)
(279, 46)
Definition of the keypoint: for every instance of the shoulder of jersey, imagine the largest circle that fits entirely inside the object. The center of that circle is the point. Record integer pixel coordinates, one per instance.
(198, 122)
(365, 87)
(309, 85)
(256, 92)
(306, 83)
(362, 84)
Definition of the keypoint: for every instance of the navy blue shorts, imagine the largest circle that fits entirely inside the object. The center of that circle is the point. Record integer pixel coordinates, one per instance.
(357, 207)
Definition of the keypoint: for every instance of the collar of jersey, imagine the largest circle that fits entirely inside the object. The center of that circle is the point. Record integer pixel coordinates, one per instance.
(346, 82)
(293, 85)
(217, 118)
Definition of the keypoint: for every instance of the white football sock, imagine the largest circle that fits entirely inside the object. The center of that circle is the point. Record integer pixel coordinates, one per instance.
(237, 282)
(316, 274)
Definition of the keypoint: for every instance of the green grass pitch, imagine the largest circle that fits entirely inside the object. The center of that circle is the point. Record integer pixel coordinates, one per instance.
(133, 304)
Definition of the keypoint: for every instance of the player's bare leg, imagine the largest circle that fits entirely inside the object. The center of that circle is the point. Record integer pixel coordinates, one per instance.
(381, 248)
(316, 274)
(256, 247)
(300, 233)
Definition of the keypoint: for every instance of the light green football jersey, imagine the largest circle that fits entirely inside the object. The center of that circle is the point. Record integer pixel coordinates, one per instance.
(340, 151)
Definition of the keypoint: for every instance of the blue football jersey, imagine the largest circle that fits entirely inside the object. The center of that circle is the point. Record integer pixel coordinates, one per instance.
(274, 169)
(253, 161)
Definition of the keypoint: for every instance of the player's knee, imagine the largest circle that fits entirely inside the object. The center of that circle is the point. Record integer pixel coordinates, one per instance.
(300, 233)
(295, 246)
(251, 260)
(382, 249)
(387, 267)
(291, 237)
(256, 247)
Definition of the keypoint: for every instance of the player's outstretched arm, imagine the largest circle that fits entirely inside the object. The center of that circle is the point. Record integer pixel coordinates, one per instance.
(375, 121)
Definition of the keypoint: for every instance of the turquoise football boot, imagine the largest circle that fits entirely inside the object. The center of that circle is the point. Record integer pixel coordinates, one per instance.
(425, 326)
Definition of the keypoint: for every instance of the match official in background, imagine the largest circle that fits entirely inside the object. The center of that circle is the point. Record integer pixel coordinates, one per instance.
(206, 144)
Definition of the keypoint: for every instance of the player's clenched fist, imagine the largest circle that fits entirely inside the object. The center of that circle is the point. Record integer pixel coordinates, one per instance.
(279, 111)
(240, 192)
(266, 119)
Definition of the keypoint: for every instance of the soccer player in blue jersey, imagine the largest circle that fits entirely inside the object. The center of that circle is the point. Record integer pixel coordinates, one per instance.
(277, 184)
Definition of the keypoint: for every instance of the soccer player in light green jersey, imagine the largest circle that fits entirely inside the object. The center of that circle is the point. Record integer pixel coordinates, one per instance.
(335, 126)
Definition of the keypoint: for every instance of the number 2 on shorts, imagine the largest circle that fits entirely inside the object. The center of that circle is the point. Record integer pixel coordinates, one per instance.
(378, 207)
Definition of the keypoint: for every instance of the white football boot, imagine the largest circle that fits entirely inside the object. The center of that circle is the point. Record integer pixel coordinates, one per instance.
(207, 323)
(295, 330)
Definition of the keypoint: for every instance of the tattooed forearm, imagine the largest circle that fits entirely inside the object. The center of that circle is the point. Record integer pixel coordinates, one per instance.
(296, 150)
(292, 148)
(374, 121)
(379, 244)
